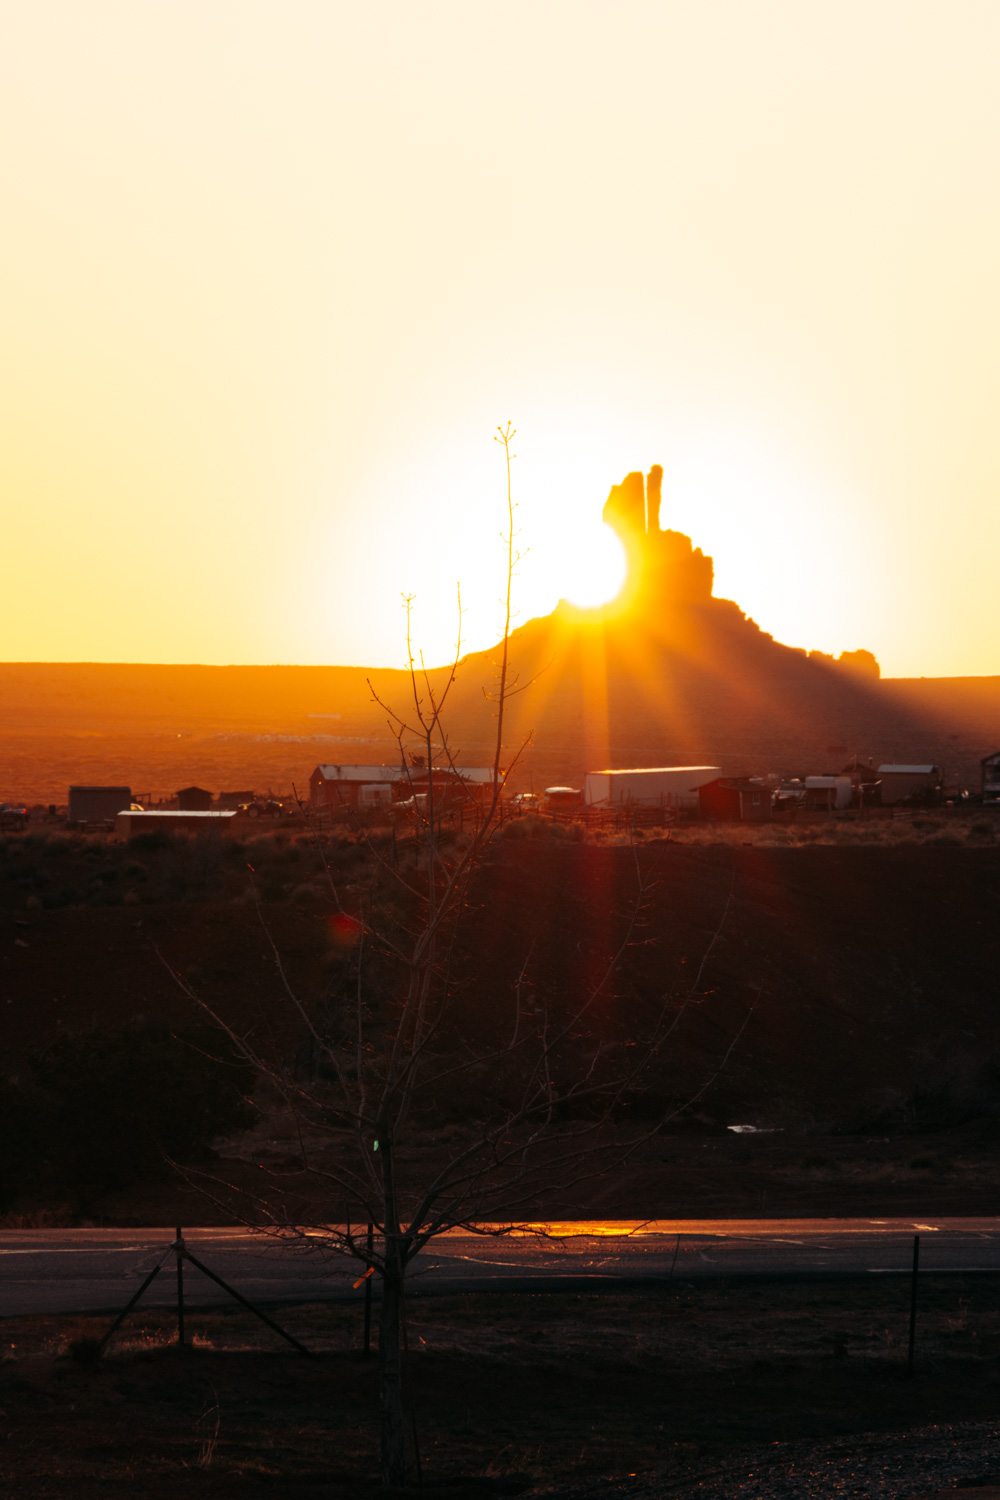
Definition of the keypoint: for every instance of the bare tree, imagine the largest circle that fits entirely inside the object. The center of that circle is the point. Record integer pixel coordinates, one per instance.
(544, 1085)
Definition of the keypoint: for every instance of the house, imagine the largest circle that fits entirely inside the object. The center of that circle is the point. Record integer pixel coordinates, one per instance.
(449, 781)
(194, 799)
(736, 799)
(97, 804)
(990, 768)
(656, 786)
(910, 783)
(355, 786)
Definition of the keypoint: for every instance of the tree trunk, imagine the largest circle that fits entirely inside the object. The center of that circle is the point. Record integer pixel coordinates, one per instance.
(391, 1381)
(390, 1323)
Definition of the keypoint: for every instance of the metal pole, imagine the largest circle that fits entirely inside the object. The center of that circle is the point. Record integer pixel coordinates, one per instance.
(409, 1395)
(179, 1252)
(368, 1291)
(244, 1303)
(913, 1303)
(125, 1312)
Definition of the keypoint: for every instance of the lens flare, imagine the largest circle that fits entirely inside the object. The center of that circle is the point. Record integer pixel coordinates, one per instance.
(344, 930)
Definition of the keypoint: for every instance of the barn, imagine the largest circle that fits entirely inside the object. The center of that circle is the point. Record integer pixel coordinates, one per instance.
(736, 799)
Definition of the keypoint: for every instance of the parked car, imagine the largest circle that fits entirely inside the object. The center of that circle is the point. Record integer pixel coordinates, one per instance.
(411, 805)
(14, 815)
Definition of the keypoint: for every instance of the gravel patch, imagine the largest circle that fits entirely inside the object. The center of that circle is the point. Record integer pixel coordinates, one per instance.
(894, 1466)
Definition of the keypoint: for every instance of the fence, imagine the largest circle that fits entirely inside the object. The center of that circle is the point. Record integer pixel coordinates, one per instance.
(574, 1257)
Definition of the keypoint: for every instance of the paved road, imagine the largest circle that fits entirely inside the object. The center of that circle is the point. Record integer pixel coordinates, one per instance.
(79, 1270)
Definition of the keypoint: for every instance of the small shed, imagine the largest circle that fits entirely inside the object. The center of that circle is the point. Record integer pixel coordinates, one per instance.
(563, 799)
(97, 804)
(236, 799)
(906, 783)
(990, 767)
(194, 799)
(828, 792)
(736, 799)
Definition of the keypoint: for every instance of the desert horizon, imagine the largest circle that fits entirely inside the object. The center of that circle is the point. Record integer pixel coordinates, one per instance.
(681, 677)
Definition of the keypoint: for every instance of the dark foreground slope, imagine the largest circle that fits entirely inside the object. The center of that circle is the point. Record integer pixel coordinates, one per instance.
(868, 975)
(774, 1391)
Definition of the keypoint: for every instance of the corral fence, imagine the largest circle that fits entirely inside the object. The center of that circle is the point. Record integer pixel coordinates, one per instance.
(596, 1258)
(464, 815)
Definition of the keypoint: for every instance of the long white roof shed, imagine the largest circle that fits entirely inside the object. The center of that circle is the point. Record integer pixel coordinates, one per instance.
(359, 773)
(654, 786)
(906, 770)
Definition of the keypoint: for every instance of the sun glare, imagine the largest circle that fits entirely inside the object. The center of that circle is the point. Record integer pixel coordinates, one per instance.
(594, 566)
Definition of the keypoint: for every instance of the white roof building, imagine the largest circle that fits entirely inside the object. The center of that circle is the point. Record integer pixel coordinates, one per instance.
(654, 786)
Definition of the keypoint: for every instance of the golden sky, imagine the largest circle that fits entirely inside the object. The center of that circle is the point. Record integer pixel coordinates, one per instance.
(272, 271)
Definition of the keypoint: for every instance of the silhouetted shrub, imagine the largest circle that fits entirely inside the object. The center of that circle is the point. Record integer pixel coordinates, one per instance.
(950, 1090)
(85, 1350)
(149, 843)
(20, 1132)
(119, 1101)
(533, 826)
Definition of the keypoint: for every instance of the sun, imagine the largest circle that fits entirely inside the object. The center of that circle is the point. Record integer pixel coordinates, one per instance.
(594, 565)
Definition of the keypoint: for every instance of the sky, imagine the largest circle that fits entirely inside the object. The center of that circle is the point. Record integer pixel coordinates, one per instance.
(273, 272)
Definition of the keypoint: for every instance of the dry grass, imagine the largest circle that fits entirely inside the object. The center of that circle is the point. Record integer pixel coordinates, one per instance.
(851, 830)
(522, 1391)
(43, 871)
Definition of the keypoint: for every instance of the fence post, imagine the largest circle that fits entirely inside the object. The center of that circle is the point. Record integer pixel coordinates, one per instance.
(368, 1291)
(913, 1303)
(179, 1252)
(126, 1310)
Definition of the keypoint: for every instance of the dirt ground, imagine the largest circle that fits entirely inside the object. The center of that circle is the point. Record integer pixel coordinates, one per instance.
(868, 1065)
(863, 978)
(510, 1394)
(686, 1173)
